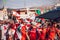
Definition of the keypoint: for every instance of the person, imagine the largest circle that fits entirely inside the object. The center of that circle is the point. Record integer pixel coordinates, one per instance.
(52, 32)
(32, 33)
(1, 23)
(23, 31)
(17, 31)
(10, 37)
(4, 29)
(11, 29)
(43, 33)
(39, 30)
(38, 24)
(47, 31)
(58, 32)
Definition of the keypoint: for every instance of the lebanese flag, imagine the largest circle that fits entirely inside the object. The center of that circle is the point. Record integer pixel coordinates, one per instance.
(15, 35)
(5, 28)
(13, 28)
(16, 14)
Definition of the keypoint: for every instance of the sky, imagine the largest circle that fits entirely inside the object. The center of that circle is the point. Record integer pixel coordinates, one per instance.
(26, 3)
(1, 3)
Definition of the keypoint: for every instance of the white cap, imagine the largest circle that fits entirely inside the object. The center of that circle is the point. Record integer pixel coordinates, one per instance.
(34, 23)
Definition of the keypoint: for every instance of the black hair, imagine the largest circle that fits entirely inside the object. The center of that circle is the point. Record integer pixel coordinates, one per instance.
(58, 26)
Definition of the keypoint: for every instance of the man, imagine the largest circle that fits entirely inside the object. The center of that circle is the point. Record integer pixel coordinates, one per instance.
(52, 32)
(42, 33)
(33, 33)
(39, 32)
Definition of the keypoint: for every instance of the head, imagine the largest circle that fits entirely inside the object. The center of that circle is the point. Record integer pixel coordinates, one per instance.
(24, 23)
(54, 24)
(34, 26)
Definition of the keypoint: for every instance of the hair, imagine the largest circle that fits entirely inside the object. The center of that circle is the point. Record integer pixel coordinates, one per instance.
(58, 26)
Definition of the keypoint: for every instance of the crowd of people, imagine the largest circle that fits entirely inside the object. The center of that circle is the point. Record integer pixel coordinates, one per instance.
(16, 28)
(27, 29)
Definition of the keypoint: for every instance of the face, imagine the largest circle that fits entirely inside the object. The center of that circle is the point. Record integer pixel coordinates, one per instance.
(33, 26)
(55, 25)
(24, 23)
(19, 21)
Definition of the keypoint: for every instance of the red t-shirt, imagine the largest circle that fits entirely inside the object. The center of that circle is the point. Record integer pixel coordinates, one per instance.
(52, 33)
(43, 34)
(39, 32)
(33, 34)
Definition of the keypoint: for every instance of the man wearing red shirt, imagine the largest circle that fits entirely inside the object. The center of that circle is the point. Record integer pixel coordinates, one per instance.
(43, 34)
(39, 32)
(52, 33)
(32, 33)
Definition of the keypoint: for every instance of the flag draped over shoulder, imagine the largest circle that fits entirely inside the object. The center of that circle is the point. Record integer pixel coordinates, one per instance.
(18, 29)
